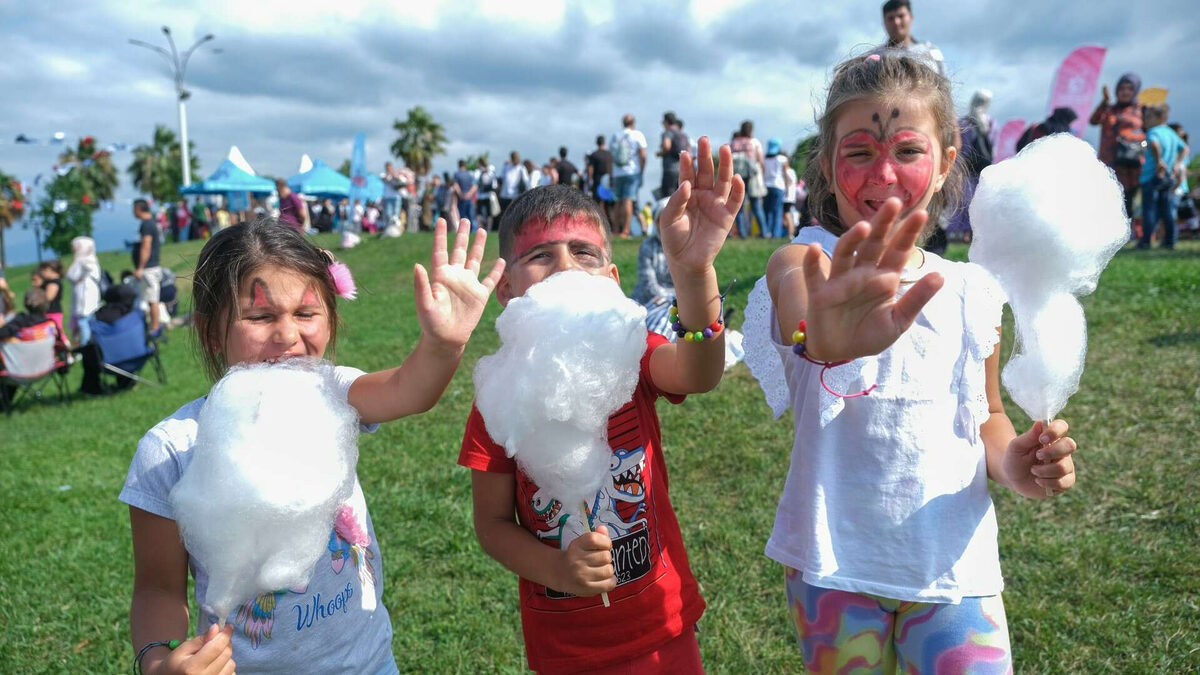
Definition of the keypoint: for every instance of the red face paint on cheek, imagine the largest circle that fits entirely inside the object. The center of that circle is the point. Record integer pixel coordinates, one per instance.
(915, 175)
(563, 229)
(868, 169)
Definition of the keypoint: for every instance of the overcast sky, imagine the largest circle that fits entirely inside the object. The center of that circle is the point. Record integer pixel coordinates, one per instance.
(295, 77)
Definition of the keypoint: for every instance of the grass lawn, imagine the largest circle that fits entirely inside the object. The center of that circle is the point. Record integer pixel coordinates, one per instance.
(1103, 579)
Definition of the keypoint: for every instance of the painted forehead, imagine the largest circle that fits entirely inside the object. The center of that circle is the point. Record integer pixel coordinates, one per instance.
(565, 228)
(882, 117)
(263, 293)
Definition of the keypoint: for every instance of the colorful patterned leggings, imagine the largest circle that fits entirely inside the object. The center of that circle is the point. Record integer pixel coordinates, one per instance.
(843, 632)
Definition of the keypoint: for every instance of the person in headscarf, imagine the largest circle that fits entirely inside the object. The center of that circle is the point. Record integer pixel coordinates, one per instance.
(84, 275)
(976, 129)
(1059, 122)
(1122, 134)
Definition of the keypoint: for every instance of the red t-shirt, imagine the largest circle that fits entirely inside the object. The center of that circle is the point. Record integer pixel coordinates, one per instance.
(656, 598)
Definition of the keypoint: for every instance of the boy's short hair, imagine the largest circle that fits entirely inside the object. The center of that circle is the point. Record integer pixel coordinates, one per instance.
(893, 5)
(547, 204)
(1158, 111)
(141, 205)
(35, 301)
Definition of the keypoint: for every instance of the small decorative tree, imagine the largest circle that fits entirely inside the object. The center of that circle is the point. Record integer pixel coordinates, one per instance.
(65, 212)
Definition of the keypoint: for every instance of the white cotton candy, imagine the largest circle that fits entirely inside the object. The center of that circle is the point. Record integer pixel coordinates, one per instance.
(569, 357)
(1046, 222)
(274, 460)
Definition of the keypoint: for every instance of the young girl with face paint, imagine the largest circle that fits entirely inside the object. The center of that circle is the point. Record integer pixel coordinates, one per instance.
(885, 527)
(265, 293)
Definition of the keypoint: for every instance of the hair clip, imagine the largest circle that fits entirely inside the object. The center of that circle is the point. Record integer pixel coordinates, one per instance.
(343, 281)
(872, 57)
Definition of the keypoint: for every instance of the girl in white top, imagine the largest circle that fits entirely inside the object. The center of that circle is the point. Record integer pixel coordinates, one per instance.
(262, 293)
(84, 275)
(885, 525)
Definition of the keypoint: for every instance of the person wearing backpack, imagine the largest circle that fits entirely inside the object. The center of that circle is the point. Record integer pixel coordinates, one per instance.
(629, 163)
(674, 142)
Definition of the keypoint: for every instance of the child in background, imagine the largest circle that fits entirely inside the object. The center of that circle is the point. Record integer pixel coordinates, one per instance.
(646, 218)
(282, 303)
(885, 526)
(650, 627)
(84, 275)
(49, 278)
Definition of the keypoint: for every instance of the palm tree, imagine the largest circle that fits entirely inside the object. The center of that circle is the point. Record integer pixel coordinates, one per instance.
(157, 169)
(12, 207)
(95, 172)
(421, 139)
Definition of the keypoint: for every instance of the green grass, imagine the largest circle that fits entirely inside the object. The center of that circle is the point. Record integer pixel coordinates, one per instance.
(1103, 579)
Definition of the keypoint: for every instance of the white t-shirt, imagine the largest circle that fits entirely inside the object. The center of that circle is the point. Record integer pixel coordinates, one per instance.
(337, 623)
(789, 193)
(512, 176)
(887, 494)
(633, 140)
(773, 168)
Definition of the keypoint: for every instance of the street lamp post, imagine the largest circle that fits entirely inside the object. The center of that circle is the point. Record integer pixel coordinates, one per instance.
(179, 70)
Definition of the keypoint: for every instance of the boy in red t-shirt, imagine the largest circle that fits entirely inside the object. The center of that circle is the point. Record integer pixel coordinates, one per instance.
(636, 554)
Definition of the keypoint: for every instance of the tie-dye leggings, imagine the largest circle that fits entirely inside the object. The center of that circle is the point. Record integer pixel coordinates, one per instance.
(843, 632)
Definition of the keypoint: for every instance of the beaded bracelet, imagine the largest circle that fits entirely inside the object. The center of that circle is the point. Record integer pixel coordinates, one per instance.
(798, 338)
(137, 660)
(708, 332)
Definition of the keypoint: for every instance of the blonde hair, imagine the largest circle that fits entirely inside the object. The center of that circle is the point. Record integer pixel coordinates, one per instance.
(884, 76)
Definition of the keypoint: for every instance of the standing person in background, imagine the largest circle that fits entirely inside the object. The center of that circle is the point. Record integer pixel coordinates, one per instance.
(1122, 134)
(487, 202)
(775, 179)
(567, 173)
(443, 198)
(1164, 149)
(673, 142)
(464, 190)
(183, 219)
(789, 199)
(976, 155)
(897, 21)
(84, 275)
(599, 164)
(292, 211)
(201, 217)
(514, 179)
(392, 183)
(146, 267)
(629, 163)
(748, 163)
(1185, 211)
(223, 218)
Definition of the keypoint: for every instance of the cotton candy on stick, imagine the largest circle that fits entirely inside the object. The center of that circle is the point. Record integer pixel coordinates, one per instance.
(274, 460)
(1046, 222)
(569, 357)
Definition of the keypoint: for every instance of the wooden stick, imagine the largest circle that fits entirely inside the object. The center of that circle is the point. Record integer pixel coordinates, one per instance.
(588, 521)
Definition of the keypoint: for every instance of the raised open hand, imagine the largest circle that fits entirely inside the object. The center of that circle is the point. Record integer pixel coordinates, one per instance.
(853, 311)
(696, 220)
(450, 296)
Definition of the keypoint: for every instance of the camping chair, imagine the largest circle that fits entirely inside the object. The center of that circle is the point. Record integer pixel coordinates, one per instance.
(32, 363)
(125, 347)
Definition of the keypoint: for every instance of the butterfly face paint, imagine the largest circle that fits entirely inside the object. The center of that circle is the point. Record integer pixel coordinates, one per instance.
(564, 229)
(260, 295)
(872, 165)
(310, 297)
(570, 242)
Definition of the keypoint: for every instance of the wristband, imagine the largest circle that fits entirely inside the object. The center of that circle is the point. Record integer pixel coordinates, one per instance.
(137, 660)
(798, 348)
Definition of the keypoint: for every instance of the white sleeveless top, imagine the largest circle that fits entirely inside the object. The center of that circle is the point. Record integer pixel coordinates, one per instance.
(887, 493)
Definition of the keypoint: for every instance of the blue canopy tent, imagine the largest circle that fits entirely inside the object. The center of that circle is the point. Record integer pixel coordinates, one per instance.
(232, 182)
(320, 181)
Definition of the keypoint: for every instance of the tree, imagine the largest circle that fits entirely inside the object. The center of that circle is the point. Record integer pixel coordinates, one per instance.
(421, 139)
(800, 156)
(12, 207)
(474, 161)
(344, 168)
(95, 174)
(157, 169)
(66, 211)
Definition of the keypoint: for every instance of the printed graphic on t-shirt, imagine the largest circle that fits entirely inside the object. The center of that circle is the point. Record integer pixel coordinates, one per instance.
(349, 541)
(620, 505)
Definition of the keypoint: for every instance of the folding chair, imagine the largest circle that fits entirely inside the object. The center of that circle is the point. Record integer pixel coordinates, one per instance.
(125, 347)
(32, 363)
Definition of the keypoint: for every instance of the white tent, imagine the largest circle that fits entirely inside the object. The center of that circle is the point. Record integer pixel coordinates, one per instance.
(239, 161)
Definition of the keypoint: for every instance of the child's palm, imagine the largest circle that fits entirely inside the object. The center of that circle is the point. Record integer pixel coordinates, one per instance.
(451, 297)
(853, 311)
(695, 222)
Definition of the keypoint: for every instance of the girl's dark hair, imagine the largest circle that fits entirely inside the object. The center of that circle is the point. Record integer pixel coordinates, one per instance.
(54, 265)
(229, 258)
(889, 76)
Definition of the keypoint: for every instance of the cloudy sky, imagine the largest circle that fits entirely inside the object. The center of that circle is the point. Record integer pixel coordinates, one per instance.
(295, 77)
